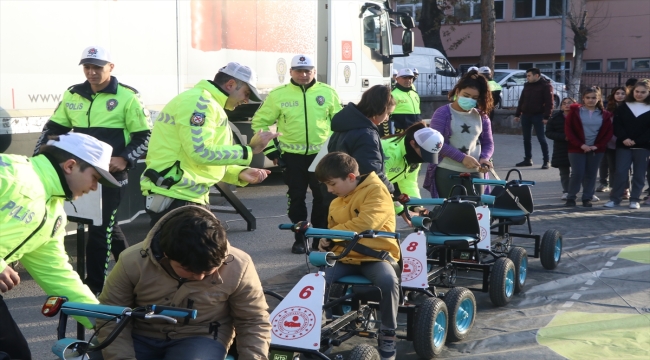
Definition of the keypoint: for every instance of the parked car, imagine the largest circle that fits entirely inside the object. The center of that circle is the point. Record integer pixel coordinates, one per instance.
(437, 75)
(512, 81)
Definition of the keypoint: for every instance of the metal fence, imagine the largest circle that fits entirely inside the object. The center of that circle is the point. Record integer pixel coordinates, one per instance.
(607, 81)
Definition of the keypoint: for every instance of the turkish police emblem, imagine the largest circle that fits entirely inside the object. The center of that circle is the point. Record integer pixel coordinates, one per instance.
(197, 119)
(320, 100)
(57, 225)
(111, 104)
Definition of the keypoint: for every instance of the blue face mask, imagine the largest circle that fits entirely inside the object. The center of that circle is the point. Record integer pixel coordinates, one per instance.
(466, 103)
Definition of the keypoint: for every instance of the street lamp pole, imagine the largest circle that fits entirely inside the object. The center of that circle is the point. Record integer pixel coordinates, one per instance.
(562, 49)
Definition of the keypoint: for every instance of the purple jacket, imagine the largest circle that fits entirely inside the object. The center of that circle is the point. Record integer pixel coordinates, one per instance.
(441, 121)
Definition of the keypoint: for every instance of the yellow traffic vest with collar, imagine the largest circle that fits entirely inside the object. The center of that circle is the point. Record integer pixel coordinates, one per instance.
(31, 202)
(398, 170)
(110, 115)
(192, 143)
(406, 102)
(494, 86)
(303, 116)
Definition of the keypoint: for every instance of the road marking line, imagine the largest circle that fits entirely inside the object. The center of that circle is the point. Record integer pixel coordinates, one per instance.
(597, 273)
(609, 263)
(614, 258)
(592, 247)
(583, 288)
(568, 304)
(589, 282)
(575, 296)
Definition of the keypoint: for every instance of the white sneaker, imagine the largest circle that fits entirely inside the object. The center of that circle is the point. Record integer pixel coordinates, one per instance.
(595, 198)
(634, 205)
(564, 195)
(610, 204)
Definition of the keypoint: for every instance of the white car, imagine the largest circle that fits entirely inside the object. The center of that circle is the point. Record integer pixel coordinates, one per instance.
(512, 81)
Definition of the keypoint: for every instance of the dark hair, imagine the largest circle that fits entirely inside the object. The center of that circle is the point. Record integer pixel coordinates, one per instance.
(336, 165)
(630, 82)
(375, 101)
(534, 71)
(408, 133)
(630, 94)
(472, 79)
(222, 78)
(599, 95)
(60, 156)
(194, 238)
(611, 102)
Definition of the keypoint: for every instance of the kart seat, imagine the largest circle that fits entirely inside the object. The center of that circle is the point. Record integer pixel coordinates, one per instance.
(452, 241)
(354, 280)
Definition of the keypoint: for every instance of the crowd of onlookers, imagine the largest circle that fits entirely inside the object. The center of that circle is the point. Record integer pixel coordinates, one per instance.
(615, 140)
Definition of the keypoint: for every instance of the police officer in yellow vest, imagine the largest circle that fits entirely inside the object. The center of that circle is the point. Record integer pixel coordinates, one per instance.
(303, 110)
(407, 110)
(111, 112)
(192, 148)
(495, 88)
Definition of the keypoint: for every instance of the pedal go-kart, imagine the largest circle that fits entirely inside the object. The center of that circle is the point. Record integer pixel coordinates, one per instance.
(513, 205)
(75, 349)
(458, 240)
(298, 326)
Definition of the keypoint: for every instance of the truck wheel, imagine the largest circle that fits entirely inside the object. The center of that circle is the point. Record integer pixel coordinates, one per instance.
(502, 281)
(364, 352)
(461, 305)
(430, 328)
(519, 257)
(550, 249)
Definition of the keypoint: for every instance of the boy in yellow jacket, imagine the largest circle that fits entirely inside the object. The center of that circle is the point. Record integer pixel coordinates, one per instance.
(363, 203)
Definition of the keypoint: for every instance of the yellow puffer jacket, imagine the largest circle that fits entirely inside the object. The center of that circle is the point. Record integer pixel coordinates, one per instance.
(368, 207)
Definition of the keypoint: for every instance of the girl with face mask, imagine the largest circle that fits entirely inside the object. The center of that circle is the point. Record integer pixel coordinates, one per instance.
(466, 128)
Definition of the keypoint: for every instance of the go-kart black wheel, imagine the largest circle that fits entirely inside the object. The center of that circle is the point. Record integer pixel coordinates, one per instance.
(364, 352)
(461, 305)
(519, 257)
(336, 291)
(502, 281)
(430, 328)
(550, 249)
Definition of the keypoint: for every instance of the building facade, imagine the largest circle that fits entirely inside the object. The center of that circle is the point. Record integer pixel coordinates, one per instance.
(528, 34)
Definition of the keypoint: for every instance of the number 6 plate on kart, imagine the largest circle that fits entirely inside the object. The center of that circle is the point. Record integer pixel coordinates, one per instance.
(296, 321)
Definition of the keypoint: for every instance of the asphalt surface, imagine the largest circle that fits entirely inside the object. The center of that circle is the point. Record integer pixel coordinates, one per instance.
(590, 277)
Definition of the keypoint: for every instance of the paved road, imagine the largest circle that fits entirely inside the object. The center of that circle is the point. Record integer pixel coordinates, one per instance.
(593, 238)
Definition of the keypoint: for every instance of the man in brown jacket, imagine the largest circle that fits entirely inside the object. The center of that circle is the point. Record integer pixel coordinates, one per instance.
(535, 107)
(186, 261)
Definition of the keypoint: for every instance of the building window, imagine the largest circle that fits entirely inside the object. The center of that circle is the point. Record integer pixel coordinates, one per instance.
(470, 10)
(640, 64)
(593, 65)
(413, 8)
(537, 8)
(551, 69)
(617, 65)
(501, 66)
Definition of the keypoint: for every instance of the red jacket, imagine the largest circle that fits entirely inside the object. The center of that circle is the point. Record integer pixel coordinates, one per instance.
(576, 135)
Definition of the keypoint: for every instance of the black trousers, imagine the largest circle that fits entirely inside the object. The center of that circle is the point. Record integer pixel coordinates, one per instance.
(154, 217)
(298, 179)
(105, 239)
(12, 341)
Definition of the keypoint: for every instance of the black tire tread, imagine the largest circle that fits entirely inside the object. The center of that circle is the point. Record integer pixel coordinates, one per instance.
(364, 352)
(423, 327)
(516, 254)
(498, 281)
(453, 298)
(547, 249)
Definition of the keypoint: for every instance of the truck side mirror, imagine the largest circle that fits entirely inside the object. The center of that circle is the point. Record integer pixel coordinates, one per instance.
(407, 42)
(510, 83)
(407, 22)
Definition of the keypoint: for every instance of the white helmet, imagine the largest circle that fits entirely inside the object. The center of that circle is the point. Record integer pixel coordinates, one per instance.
(484, 70)
(415, 71)
(430, 142)
(472, 68)
(395, 72)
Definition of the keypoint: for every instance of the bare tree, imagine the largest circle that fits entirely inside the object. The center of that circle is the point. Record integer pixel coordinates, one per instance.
(435, 14)
(488, 33)
(583, 26)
